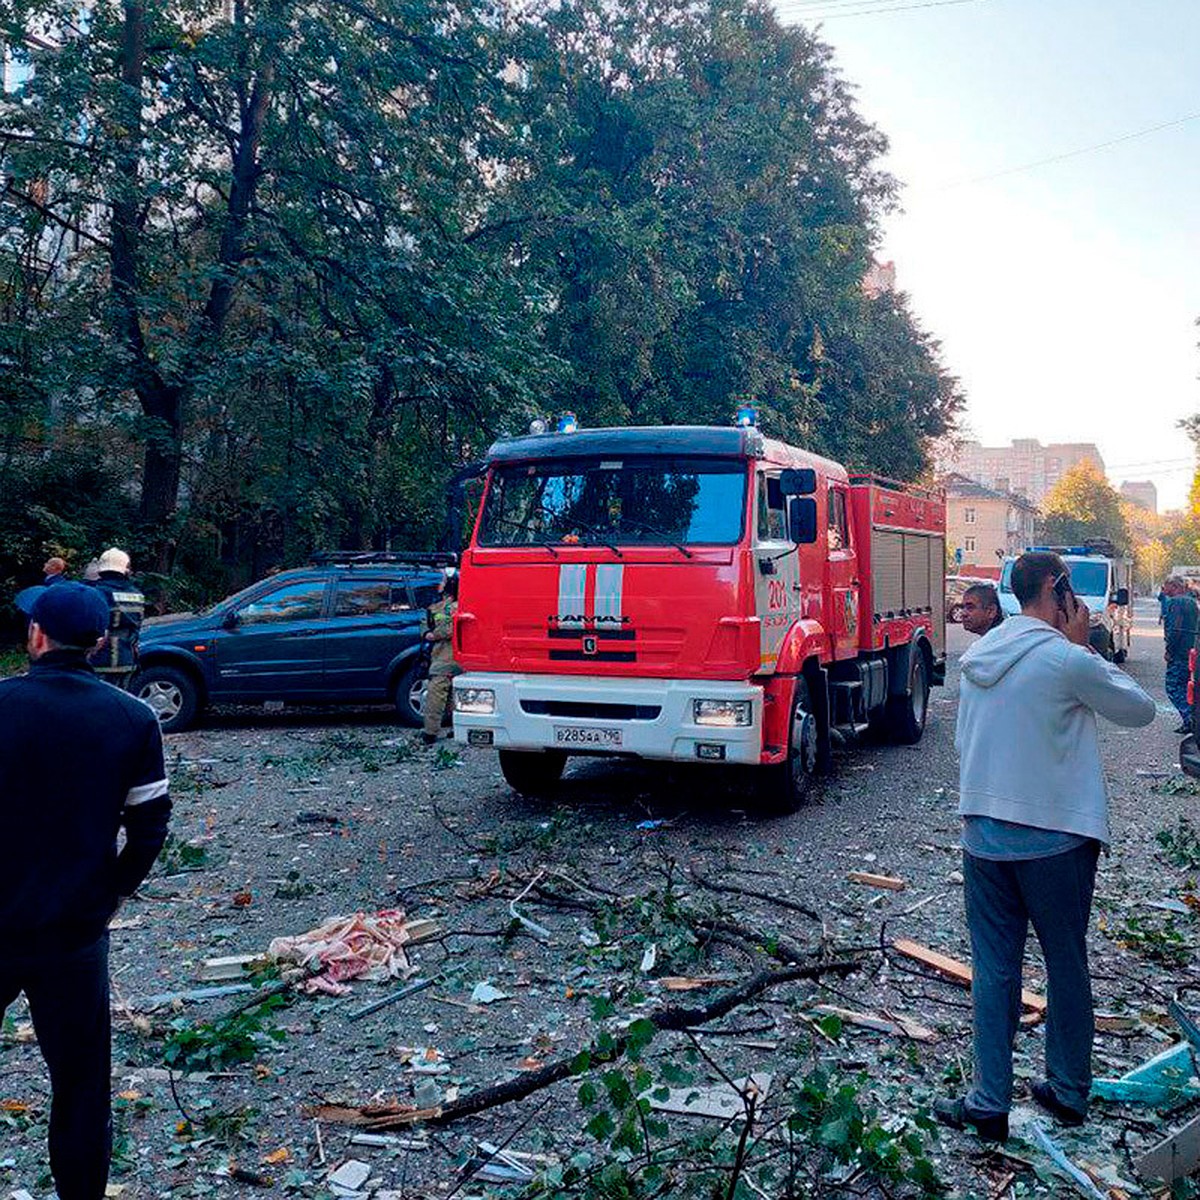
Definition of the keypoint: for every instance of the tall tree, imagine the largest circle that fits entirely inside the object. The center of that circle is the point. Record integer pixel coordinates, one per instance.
(1084, 506)
(268, 202)
(701, 199)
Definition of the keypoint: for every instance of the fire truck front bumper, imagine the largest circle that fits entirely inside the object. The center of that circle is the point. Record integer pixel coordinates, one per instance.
(675, 720)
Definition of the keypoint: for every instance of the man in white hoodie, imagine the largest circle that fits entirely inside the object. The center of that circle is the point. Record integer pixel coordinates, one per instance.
(1035, 816)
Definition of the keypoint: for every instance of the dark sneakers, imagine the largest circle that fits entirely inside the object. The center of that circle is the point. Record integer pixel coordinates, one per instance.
(955, 1114)
(1043, 1093)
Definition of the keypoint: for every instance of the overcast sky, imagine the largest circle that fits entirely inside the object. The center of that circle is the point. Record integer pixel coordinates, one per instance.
(1064, 294)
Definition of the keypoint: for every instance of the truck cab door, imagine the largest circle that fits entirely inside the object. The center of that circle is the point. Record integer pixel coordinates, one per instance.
(841, 574)
(776, 570)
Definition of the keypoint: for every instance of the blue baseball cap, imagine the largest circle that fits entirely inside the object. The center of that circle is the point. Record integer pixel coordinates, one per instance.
(72, 614)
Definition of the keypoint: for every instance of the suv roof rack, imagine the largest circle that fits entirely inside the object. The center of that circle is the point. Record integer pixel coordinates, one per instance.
(364, 558)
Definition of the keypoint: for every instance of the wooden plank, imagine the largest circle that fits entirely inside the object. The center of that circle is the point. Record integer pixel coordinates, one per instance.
(890, 882)
(1174, 1157)
(231, 966)
(422, 930)
(953, 969)
(897, 1026)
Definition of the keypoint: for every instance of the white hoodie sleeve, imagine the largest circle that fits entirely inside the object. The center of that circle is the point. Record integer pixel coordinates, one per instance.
(1106, 689)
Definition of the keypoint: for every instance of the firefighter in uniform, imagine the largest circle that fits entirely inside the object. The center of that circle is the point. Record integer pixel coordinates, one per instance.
(442, 667)
(116, 659)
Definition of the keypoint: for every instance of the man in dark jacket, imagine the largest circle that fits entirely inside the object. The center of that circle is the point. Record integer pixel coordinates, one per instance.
(1180, 617)
(54, 570)
(79, 761)
(116, 659)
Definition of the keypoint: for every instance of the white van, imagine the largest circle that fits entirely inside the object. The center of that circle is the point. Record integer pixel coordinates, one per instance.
(1103, 582)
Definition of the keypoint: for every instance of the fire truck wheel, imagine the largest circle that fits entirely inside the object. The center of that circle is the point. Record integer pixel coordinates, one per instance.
(786, 786)
(906, 714)
(532, 772)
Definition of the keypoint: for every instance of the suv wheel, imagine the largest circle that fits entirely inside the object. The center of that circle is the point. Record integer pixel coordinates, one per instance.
(171, 693)
(409, 693)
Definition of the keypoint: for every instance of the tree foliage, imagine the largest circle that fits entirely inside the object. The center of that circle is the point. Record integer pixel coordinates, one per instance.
(1083, 506)
(282, 268)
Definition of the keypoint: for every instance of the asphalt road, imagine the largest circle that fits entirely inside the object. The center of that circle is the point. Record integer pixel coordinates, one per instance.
(293, 819)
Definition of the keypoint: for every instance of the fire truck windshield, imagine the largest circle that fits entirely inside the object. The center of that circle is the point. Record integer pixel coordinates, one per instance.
(633, 502)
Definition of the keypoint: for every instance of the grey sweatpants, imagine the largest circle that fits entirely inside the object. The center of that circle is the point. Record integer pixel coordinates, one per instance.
(1055, 894)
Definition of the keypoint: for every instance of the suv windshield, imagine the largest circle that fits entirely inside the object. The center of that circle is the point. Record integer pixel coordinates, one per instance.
(649, 502)
(1087, 578)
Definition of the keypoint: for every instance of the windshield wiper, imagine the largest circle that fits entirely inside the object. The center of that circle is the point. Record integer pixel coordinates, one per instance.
(537, 539)
(601, 540)
(654, 531)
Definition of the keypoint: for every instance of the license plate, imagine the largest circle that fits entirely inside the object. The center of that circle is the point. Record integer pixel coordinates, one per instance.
(579, 735)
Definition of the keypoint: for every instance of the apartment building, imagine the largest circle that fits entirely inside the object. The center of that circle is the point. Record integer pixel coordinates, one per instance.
(1141, 491)
(986, 524)
(1025, 467)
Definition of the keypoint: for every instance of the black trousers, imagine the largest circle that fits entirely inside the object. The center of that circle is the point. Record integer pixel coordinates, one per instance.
(68, 1001)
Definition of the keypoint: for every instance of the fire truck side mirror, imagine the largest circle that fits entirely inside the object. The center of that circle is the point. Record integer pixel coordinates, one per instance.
(802, 520)
(798, 481)
(1122, 597)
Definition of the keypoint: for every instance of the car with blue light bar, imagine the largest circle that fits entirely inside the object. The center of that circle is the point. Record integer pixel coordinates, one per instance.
(1103, 580)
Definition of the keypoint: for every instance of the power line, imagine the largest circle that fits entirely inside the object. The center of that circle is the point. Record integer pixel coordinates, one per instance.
(1066, 154)
(866, 12)
(815, 5)
(1154, 462)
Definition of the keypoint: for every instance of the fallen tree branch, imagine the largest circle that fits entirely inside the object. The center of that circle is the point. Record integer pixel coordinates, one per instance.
(672, 1018)
(733, 890)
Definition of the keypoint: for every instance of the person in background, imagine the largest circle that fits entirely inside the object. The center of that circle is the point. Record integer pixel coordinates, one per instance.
(1180, 619)
(54, 570)
(442, 667)
(116, 659)
(981, 611)
(91, 572)
(79, 763)
(1034, 806)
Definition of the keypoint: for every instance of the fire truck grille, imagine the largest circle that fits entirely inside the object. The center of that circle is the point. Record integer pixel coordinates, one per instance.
(580, 708)
(598, 656)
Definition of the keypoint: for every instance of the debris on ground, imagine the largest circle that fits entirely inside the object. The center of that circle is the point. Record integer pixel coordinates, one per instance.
(360, 946)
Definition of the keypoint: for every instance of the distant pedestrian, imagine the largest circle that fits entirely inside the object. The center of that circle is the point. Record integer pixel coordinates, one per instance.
(981, 611)
(1035, 815)
(116, 659)
(54, 570)
(442, 667)
(79, 762)
(1180, 619)
(91, 572)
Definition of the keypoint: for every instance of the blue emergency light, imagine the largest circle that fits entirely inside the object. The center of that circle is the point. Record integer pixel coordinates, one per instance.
(567, 423)
(747, 417)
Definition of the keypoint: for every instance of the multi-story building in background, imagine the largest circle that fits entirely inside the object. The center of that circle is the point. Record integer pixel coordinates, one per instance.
(1141, 491)
(985, 524)
(1026, 467)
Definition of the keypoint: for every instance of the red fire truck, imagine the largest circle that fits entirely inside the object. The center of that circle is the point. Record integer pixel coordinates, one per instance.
(693, 594)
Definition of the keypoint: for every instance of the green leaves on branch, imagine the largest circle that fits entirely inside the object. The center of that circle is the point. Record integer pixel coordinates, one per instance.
(287, 267)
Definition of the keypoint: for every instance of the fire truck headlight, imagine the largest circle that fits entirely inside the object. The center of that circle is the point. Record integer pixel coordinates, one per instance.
(726, 713)
(481, 701)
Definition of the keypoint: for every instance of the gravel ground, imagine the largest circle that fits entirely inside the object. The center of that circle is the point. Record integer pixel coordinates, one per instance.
(284, 820)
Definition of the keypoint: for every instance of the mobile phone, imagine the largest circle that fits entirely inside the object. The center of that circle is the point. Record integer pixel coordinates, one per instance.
(1063, 589)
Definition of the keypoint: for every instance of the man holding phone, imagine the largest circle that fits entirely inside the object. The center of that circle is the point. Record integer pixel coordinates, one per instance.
(1035, 816)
